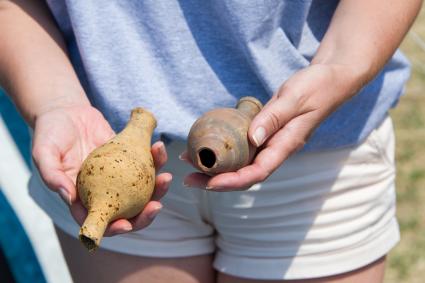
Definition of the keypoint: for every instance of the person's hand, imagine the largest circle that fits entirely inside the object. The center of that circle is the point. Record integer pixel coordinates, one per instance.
(285, 123)
(63, 138)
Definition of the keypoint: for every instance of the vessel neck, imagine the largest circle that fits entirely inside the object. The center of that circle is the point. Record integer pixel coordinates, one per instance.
(140, 127)
(250, 106)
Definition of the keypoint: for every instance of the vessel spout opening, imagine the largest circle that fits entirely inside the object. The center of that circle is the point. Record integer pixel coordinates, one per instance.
(89, 243)
(207, 157)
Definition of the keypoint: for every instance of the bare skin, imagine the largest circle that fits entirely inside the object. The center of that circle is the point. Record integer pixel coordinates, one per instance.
(371, 273)
(90, 267)
(40, 79)
(196, 269)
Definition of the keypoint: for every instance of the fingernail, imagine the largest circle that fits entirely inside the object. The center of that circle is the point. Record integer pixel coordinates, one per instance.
(216, 189)
(63, 193)
(189, 186)
(259, 135)
(186, 185)
(127, 228)
(162, 149)
(154, 213)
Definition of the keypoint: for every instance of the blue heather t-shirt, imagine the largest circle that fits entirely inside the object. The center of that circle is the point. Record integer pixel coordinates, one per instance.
(180, 59)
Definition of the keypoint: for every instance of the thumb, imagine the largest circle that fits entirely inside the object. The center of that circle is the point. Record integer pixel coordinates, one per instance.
(274, 115)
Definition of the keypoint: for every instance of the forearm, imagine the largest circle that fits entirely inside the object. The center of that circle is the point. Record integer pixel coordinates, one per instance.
(34, 67)
(364, 34)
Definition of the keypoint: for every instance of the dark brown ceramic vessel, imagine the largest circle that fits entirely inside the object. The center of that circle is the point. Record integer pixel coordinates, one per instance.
(218, 141)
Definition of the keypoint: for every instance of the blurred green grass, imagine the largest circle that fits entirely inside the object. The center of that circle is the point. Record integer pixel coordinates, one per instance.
(406, 263)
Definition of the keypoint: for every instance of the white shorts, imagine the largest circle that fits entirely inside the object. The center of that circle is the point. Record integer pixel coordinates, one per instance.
(319, 214)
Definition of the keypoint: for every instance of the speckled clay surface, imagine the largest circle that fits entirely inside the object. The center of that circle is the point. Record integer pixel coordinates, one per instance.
(117, 179)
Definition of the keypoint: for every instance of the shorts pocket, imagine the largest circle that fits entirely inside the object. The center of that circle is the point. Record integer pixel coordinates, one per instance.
(382, 141)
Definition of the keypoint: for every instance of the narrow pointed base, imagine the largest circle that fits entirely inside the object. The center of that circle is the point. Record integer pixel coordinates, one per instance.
(90, 244)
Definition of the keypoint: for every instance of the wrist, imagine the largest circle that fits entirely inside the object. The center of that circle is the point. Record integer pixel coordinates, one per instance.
(35, 95)
(353, 75)
(357, 68)
(74, 100)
